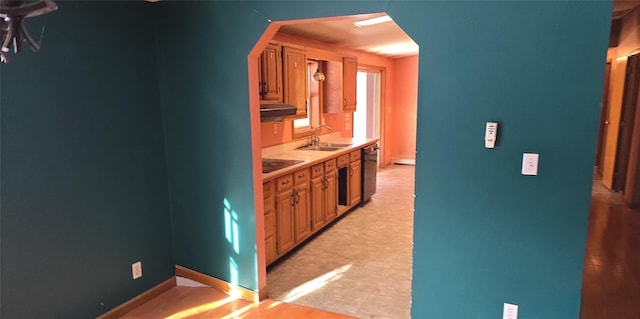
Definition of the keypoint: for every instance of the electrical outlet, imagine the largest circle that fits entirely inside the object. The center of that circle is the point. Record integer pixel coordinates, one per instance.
(275, 128)
(510, 311)
(136, 270)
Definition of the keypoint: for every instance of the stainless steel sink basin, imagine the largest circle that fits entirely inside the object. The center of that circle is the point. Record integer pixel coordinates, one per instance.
(273, 164)
(324, 147)
(339, 145)
(319, 148)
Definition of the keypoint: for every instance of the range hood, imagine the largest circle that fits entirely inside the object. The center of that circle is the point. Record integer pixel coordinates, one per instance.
(276, 112)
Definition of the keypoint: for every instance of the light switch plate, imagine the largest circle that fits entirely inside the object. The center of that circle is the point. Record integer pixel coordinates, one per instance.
(510, 311)
(530, 163)
(136, 270)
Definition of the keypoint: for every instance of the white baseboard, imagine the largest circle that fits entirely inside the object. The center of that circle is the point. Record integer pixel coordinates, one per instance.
(403, 160)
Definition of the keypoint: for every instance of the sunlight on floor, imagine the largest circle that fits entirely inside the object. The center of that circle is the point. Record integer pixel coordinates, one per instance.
(311, 285)
(237, 313)
(201, 308)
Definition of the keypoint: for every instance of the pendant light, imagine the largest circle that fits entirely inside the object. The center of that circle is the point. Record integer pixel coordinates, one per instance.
(318, 76)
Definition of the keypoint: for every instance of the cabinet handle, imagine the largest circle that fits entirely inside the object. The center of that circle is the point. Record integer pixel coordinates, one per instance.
(350, 170)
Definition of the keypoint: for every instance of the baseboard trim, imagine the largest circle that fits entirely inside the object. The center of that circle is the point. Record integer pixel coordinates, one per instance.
(403, 161)
(232, 290)
(139, 300)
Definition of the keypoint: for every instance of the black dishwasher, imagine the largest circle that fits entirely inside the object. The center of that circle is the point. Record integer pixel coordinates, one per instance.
(369, 171)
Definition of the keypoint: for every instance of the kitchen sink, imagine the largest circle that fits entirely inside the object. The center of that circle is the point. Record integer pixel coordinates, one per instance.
(319, 148)
(333, 145)
(273, 164)
(324, 147)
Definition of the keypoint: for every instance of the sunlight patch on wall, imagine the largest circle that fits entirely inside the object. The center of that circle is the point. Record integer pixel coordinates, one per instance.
(231, 226)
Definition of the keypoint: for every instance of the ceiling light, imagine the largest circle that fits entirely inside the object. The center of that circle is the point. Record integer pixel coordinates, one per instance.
(373, 21)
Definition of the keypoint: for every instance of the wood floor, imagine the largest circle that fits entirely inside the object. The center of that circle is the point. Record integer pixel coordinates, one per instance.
(611, 282)
(205, 302)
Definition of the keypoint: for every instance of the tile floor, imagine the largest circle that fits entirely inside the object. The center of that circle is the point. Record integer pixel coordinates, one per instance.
(361, 265)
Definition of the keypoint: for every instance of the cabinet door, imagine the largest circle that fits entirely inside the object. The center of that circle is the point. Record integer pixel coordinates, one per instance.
(271, 74)
(284, 220)
(355, 175)
(317, 202)
(302, 212)
(331, 196)
(295, 79)
(270, 223)
(350, 73)
(332, 88)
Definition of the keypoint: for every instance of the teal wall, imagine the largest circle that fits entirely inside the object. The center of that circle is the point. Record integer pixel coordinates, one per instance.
(484, 234)
(84, 189)
(202, 63)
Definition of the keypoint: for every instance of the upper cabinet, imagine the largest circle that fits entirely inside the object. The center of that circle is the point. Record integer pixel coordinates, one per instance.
(270, 77)
(339, 88)
(332, 91)
(295, 78)
(350, 72)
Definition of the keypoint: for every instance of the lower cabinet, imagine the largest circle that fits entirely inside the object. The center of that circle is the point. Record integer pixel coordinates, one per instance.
(324, 194)
(299, 204)
(355, 178)
(284, 213)
(270, 222)
(293, 211)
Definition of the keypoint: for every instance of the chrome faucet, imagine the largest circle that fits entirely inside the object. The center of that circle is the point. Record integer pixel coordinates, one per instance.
(315, 140)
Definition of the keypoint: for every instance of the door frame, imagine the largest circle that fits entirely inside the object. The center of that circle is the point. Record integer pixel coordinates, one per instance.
(382, 130)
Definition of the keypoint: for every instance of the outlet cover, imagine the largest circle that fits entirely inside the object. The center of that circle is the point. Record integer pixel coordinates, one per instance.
(136, 270)
(510, 311)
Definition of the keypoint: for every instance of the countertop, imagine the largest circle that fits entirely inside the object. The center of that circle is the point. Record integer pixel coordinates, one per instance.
(314, 157)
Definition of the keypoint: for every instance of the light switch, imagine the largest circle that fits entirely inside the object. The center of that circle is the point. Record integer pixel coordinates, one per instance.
(510, 311)
(530, 164)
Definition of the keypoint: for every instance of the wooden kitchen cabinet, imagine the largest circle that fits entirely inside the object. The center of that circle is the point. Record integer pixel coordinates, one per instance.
(324, 194)
(349, 77)
(284, 214)
(355, 178)
(295, 78)
(332, 87)
(270, 74)
(301, 205)
(270, 229)
(317, 196)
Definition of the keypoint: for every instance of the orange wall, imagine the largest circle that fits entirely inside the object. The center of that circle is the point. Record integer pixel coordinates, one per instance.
(405, 106)
(274, 133)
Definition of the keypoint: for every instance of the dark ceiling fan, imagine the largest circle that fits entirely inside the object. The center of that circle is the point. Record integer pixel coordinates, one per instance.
(12, 28)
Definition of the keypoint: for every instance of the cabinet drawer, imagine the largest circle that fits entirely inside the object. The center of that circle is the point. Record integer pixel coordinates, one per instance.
(267, 189)
(355, 155)
(317, 170)
(343, 160)
(284, 182)
(330, 165)
(301, 176)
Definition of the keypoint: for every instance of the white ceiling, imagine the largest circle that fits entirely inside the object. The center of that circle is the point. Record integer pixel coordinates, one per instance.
(386, 39)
